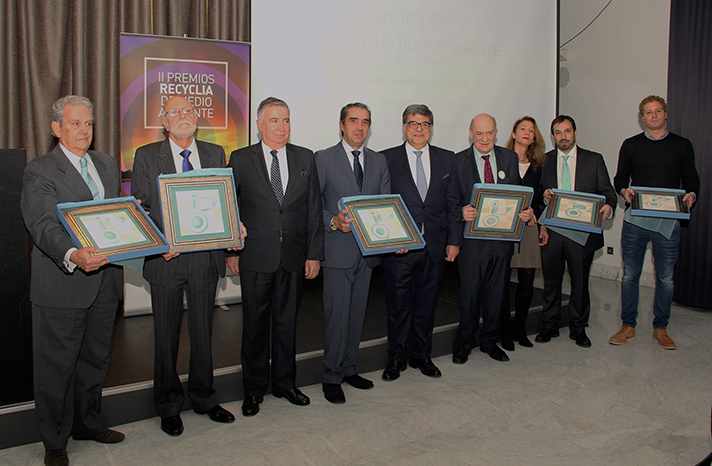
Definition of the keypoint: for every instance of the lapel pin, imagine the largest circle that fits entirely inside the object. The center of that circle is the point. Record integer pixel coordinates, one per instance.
(501, 174)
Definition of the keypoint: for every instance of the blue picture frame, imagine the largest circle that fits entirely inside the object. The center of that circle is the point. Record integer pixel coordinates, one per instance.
(498, 207)
(382, 224)
(118, 227)
(199, 210)
(659, 203)
(575, 210)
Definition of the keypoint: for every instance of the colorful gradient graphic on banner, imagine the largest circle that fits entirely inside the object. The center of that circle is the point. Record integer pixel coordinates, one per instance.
(213, 75)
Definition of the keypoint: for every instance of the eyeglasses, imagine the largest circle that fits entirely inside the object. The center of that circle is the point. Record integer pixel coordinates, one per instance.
(187, 111)
(415, 124)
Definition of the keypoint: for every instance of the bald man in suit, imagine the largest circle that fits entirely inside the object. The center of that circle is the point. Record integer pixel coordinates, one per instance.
(483, 265)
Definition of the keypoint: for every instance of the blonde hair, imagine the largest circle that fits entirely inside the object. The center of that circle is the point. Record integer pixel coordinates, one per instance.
(535, 151)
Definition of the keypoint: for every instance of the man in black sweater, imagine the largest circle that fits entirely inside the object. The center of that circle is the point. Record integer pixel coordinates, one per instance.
(654, 158)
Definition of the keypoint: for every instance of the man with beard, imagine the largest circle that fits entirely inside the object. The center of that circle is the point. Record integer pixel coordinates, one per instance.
(171, 275)
(660, 159)
(571, 168)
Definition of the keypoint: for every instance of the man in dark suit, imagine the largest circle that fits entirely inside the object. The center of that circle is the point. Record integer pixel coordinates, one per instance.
(574, 169)
(426, 178)
(483, 265)
(346, 169)
(171, 275)
(280, 206)
(74, 294)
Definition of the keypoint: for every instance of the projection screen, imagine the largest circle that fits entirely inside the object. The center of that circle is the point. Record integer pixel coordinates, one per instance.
(459, 57)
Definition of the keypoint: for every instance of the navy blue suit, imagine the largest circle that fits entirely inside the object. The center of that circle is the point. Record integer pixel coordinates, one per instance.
(413, 279)
(483, 265)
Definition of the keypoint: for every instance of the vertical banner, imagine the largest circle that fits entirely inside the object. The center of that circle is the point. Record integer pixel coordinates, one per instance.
(213, 75)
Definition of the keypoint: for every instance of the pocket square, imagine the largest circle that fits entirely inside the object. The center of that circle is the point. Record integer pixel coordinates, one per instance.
(446, 175)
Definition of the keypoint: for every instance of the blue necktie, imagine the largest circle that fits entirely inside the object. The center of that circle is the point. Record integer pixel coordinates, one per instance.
(420, 180)
(87, 178)
(187, 166)
(276, 177)
(358, 170)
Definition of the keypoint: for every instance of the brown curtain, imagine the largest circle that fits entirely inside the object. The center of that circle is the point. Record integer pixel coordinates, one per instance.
(51, 48)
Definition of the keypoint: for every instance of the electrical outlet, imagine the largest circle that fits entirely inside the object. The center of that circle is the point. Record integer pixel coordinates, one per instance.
(610, 251)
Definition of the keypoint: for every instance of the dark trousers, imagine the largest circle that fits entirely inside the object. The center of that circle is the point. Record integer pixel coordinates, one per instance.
(481, 289)
(194, 276)
(345, 301)
(559, 252)
(522, 298)
(71, 351)
(412, 284)
(264, 295)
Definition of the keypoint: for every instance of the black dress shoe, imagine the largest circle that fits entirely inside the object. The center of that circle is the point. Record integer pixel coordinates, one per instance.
(581, 339)
(218, 414)
(294, 396)
(393, 369)
(105, 436)
(251, 405)
(56, 457)
(546, 335)
(359, 382)
(172, 425)
(333, 393)
(426, 366)
(460, 355)
(495, 352)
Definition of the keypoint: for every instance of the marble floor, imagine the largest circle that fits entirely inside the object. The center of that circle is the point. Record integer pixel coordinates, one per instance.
(554, 404)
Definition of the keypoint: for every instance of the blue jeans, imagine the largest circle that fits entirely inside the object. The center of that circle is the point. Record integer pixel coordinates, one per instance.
(634, 241)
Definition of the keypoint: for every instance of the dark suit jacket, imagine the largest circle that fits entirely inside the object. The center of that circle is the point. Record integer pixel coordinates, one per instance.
(48, 181)
(151, 161)
(441, 212)
(294, 229)
(336, 178)
(532, 178)
(507, 163)
(591, 177)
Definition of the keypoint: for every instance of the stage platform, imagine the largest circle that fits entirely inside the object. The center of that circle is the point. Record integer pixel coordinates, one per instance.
(128, 390)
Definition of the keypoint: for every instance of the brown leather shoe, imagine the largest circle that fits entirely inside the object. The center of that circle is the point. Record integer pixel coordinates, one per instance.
(660, 335)
(105, 436)
(624, 334)
(56, 457)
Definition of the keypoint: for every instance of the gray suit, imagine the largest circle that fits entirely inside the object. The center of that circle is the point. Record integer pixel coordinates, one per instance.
(195, 273)
(347, 274)
(72, 313)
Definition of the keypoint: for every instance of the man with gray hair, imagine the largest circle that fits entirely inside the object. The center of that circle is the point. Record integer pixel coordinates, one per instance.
(426, 178)
(281, 208)
(172, 275)
(74, 294)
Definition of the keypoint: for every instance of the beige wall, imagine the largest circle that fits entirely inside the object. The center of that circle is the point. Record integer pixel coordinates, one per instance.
(618, 60)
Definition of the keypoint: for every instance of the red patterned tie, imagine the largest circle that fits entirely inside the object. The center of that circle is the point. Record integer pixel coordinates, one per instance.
(489, 177)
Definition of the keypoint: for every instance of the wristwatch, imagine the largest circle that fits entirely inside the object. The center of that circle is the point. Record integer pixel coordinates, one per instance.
(333, 224)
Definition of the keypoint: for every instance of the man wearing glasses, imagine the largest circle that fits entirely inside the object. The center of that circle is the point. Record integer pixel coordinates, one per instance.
(425, 176)
(172, 274)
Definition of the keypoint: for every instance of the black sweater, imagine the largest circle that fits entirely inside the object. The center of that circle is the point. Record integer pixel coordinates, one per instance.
(662, 163)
